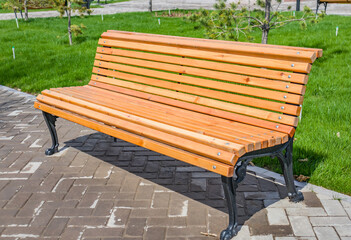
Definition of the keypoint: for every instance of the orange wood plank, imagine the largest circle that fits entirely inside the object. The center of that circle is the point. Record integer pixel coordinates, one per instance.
(170, 139)
(221, 57)
(218, 143)
(229, 47)
(198, 93)
(196, 160)
(212, 41)
(201, 72)
(190, 105)
(133, 102)
(220, 66)
(236, 134)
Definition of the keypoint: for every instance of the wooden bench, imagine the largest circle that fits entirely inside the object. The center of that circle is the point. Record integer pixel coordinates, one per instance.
(213, 104)
(325, 3)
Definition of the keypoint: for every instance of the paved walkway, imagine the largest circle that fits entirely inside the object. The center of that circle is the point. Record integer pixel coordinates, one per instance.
(142, 6)
(95, 188)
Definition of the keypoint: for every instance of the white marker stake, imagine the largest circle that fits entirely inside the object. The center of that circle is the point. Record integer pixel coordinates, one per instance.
(337, 30)
(159, 21)
(169, 12)
(102, 17)
(294, 13)
(17, 23)
(13, 52)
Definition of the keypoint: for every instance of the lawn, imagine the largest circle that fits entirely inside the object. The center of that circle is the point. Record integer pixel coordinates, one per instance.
(322, 147)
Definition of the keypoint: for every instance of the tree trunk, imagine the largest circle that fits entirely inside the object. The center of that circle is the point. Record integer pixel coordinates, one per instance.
(25, 10)
(20, 10)
(264, 39)
(68, 12)
(21, 13)
(150, 5)
(265, 27)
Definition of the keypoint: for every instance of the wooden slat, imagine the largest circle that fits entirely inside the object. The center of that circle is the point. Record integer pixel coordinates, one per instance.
(170, 139)
(255, 102)
(235, 132)
(173, 120)
(214, 142)
(206, 163)
(231, 107)
(235, 78)
(222, 57)
(212, 41)
(213, 85)
(249, 50)
(199, 108)
(169, 110)
(220, 66)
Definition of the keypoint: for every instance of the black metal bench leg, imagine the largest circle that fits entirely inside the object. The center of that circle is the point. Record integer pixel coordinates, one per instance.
(230, 185)
(50, 122)
(286, 162)
(318, 3)
(230, 195)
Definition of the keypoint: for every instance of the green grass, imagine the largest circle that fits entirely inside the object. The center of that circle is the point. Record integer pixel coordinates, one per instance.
(44, 60)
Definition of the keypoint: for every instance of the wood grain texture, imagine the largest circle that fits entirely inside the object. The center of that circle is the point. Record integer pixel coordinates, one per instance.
(197, 160)
(212, 41)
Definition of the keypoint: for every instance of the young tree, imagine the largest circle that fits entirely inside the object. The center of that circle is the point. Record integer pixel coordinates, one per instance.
(14, 5)
(69, 6)
(150, 5)
(229, 22)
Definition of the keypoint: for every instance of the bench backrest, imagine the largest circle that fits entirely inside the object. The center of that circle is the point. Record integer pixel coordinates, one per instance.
(262, 85)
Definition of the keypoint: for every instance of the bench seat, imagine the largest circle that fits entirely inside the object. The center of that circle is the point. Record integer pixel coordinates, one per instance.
(218, 139)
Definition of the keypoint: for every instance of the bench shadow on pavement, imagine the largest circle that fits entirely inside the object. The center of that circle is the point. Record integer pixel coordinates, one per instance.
(253, 194)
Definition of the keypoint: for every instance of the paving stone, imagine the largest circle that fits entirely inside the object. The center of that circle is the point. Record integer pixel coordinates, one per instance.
(333, 207)
(262, 195)
(348, 210)
(330, 221)
(166, 222)
(70, 212)
(152, 233)
(295, 238)
(135, 226)
(344, 231)
(345, 204)
(33, 232)
(243, 234)
(283, 203)
(311, 212)
(56, 227)
(277, 216)
(102, 208)
(72, 233)
(194, 231)
(326, 233)
(263, 237)
(301, 226)
(103, 232)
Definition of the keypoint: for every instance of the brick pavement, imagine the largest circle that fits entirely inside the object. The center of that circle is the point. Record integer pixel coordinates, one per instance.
(95, 188)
